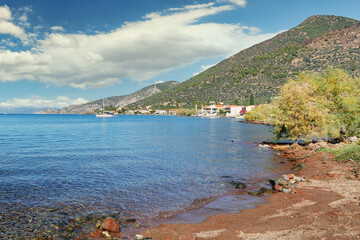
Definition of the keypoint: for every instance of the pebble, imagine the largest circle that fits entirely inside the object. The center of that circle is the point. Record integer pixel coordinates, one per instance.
(106, 234)
(130, 220)
(278, 188)
(285, 190)
(139, 237)
(285, 177)
(298, 167)
(333, 175)
(238, 185)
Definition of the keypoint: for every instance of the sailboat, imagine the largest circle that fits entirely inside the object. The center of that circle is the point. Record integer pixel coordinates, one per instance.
(104, 115)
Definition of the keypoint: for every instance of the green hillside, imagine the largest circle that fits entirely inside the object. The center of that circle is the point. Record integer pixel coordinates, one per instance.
(317, 43)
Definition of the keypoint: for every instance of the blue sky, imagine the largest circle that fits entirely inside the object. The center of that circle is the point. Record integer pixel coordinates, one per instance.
(61, 52)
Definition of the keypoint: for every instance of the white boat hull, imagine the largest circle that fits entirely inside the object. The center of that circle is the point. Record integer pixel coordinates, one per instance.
(105, 115)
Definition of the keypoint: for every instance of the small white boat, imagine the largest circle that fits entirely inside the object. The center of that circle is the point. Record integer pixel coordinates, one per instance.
(104, 114)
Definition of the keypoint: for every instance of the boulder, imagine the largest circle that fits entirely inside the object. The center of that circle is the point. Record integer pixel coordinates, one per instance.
(111, 225)
(352, 139)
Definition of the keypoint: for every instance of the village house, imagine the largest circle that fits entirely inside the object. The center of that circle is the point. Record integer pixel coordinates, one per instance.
(233, 111)
(160, 112)
(212, 109)
(173, 112)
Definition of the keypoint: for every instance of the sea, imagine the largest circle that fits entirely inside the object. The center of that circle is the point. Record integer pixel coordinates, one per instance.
(134, 166)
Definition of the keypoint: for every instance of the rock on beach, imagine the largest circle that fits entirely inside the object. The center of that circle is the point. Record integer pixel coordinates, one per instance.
(111, 225)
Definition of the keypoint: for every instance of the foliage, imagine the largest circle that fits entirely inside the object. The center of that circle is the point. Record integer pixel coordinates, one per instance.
(122, 111)
(221, 112)
(346, 153)
(251, 101)
(110, 108)
(318, 105)
(186, 112)
(264, 113)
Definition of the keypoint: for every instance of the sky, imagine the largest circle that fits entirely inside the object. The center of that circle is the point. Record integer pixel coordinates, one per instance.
(62, 52)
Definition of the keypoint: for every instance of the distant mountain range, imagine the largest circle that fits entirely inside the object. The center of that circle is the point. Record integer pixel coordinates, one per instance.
(116, 101)
(317, 43)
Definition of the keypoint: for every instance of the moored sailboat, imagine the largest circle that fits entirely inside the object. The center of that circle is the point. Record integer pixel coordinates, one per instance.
(104, 114)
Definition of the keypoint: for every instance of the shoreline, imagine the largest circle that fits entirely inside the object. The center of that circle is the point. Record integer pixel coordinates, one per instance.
(230, 202)
(325, 206)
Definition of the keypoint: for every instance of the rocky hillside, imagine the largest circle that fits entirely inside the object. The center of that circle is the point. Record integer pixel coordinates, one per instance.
(118, 101)
(317, 43)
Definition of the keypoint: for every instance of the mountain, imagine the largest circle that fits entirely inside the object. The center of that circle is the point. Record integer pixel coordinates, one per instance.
(320, 41)
(116, 101)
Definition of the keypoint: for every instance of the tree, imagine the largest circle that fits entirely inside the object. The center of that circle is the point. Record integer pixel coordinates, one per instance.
(319, 105)
(236, 102)
(299, 113)
(251, 102)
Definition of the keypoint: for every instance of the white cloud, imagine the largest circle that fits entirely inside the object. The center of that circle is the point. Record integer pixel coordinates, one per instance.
(157, 82)
(203, 68)
(241, 3)
(57, 28)
(5, 13)
(23, 18)
(139, 50)
(36, 102)
(7, 27)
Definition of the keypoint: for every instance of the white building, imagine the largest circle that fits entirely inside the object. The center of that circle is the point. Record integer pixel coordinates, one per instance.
(212, 109)
(160, 112)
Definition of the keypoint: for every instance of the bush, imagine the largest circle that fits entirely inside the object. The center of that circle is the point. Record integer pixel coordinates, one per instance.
(186, 112)
(319, 105)
(263, 113)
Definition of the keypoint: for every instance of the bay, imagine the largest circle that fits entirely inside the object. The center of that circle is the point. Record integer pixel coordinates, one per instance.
(133, 165)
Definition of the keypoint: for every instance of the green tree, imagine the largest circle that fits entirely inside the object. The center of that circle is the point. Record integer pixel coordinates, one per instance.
(319, 105)
(110, 108)
(251, 102)
(299, 113)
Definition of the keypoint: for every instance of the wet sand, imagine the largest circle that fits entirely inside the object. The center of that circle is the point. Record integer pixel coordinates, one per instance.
(325, 207)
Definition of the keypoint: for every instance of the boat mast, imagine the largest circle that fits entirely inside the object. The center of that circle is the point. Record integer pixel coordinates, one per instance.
(103, 101)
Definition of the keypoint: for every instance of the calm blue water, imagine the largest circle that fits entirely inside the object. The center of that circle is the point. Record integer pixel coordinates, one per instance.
(134, 164)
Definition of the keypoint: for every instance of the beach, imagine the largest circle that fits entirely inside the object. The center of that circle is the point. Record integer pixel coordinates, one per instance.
(326, 206)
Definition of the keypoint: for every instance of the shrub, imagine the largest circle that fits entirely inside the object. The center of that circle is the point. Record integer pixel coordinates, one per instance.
(319, 105)
(265, 113)
(186, 112)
